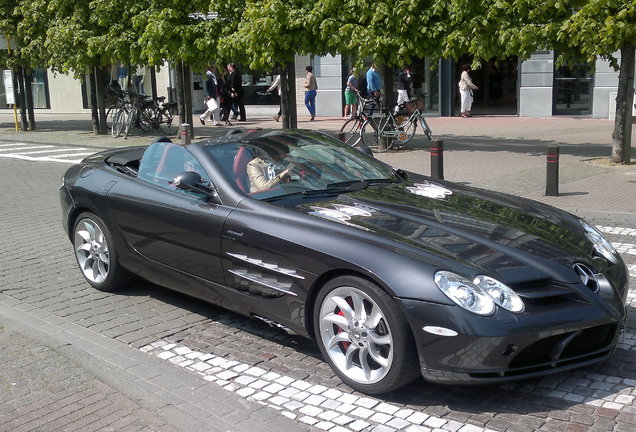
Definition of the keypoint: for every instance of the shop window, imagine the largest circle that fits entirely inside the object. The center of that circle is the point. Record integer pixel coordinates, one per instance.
(39, 90)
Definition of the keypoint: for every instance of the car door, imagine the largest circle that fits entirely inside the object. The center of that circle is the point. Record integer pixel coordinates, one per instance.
(178, 229)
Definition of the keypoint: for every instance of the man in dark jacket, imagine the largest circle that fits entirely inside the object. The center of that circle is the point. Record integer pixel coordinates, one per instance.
(236, 89)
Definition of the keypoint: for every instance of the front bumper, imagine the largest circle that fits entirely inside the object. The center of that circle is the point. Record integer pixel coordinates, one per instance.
(507, 346)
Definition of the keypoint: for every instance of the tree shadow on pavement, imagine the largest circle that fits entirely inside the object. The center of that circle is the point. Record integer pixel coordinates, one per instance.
(533, 147)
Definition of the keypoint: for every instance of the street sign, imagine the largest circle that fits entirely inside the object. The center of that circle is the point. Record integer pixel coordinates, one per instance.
(7, 78)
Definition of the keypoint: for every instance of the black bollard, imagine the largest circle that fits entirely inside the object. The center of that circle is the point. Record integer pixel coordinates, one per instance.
(185, 134)
(437, 159)
(552, 172)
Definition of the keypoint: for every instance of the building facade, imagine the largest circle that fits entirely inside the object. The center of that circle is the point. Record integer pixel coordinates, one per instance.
(532, 88)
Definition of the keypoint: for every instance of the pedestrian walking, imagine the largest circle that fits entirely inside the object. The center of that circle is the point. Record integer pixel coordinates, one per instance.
(466, 88)
(211, 98)
(374, 86)
(236, 89)
(276, 86)
(403, 87)
(224, 99)
(351, 94)
(311, 88)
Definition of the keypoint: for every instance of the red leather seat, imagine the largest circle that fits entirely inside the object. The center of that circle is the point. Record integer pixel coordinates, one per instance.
(242, 158)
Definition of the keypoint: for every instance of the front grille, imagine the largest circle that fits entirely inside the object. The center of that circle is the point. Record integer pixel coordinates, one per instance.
(562, 349)
(547, 292)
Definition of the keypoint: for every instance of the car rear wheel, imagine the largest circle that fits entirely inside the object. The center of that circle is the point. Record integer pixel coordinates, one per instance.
(96, 255)
(364, 336)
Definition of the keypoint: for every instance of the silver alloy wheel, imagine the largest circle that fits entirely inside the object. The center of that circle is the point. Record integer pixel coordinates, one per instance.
(356, 335)
(91, 250)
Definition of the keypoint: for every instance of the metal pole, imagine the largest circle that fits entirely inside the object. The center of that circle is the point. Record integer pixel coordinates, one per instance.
(552, 171)
(15, 99)
(437, 159)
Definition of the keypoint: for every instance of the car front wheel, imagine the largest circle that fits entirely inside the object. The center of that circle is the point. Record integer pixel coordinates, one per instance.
(96, 255)
(362, 333)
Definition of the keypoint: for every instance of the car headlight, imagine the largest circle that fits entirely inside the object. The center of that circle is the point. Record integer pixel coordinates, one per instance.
(465, 293)
(479, 296)
(601, 245)
(503, 295)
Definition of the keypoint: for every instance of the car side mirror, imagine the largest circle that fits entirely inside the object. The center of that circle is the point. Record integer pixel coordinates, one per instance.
(192, 181)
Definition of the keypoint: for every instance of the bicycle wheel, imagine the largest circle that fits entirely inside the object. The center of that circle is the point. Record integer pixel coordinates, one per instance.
(118, 122)
(374, 134)
(165, 123)
(426, 129)
(147, 116)
(130, 120)
(405, 128)
(110, 115)
(351, 131)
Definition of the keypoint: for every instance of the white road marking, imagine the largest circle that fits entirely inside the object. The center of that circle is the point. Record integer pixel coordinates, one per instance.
(68, 155)
(313, 404)
(617, 230)
(332, 410)
(24, 148)
(625, 248)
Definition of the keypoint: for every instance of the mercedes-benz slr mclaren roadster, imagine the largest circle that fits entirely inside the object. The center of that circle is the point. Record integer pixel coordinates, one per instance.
(393, 274)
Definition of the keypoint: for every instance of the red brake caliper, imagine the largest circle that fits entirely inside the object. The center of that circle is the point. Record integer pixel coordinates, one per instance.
(345, 345)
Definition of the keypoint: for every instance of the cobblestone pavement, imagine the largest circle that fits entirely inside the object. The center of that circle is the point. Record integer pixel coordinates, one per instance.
(227, 356)
(42, 389)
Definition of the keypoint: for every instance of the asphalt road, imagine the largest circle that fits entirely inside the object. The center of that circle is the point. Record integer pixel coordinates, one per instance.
(254, 361)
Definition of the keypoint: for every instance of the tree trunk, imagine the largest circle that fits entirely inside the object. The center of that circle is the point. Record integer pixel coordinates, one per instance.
(389, 98)
(28, 97)
(180, 92)
(622, 135)
(99, 94)
(21, 101)
(93, 103)
(288, 95)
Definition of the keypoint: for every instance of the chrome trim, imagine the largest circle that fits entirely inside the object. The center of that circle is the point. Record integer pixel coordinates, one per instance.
(260, 281)
(267, 266)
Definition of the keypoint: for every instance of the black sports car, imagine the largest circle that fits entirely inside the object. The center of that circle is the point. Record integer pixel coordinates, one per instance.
(393, 274)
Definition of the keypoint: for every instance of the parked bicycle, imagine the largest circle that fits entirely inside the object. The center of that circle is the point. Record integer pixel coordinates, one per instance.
(141, 112)
(381, 133)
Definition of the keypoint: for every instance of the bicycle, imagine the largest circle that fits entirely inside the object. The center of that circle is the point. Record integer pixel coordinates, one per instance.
(353, 126)
(381, 133)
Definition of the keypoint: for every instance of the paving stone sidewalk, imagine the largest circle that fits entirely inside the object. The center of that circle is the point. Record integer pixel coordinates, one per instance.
(57, 375)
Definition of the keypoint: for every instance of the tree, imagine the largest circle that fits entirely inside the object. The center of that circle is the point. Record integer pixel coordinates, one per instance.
(579, 31)
(269, 35)
(185, 33)
(601, 28)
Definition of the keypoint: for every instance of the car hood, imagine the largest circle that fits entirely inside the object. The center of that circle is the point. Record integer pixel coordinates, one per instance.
(511, 238)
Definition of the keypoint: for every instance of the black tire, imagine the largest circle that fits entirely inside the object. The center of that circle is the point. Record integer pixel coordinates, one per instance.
(382, 355)
(351, 130)
(427, 130)
(110, 115)
(166, 125)
(118, 122)
(96, 255)
(372, 134)
(147, 120)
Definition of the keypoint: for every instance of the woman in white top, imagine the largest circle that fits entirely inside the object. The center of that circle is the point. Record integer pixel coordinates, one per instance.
(466, 88)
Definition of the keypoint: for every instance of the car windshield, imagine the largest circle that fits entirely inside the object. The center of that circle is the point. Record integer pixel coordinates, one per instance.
(274, 165)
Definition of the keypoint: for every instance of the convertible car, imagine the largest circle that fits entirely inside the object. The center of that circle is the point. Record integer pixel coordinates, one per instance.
(394, 275)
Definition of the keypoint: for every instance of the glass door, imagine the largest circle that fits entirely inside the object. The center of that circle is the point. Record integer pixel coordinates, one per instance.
(572, 90)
